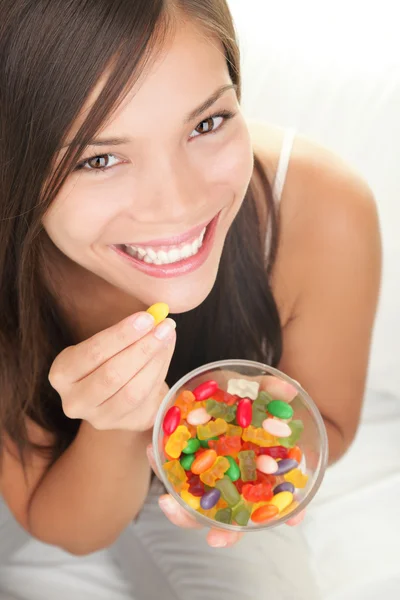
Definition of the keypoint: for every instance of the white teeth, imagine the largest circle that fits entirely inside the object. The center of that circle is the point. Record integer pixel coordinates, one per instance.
(161, 257)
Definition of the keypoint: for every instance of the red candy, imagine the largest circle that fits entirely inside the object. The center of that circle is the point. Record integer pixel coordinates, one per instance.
(205, 390)
(196, 486)
(226, 445)
(171, 420)
(258, 492)
(264, 478)
(244, 412)
(275, 451)
(250, 446)
(221, 396)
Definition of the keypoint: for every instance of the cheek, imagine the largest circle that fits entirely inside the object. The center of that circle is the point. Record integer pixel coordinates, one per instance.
(233, 167)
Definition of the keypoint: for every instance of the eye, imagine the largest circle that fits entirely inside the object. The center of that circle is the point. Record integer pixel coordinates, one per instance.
(102, 162)
(212, 124)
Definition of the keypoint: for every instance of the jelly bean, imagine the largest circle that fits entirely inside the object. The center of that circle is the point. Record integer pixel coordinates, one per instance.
(296, 428)
(243, 388)
(186, 402)
(264, 513)
(176, 474)
(204, 461)
(296, 454)
(171, 420)
(285, 465)
(199, 416)
(289, 509)
(205, 390)
(258, 436)
(280, 409)
(284, 487)
(282, 500)
(192, 501)
(244, 412)
(275, 451)
(215, 472)
(192, 446)
(296, 477)
(247, 465)
(211, 429)
(187, 461)
(279, 389)
(233, 472)
(234, 430)
(228, 491)
(210, 499)
(277, 428)
(266, 464)
(224, 515)
(220, 410)
(177, 441)
(159, 311)
(205, 444)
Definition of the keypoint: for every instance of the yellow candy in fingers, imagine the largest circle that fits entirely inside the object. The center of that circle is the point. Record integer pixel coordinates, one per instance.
(159, 311)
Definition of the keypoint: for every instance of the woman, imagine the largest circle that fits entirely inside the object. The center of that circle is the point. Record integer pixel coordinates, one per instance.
(129, 176)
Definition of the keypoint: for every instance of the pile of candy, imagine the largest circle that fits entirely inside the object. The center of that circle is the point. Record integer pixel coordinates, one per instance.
(233, 455)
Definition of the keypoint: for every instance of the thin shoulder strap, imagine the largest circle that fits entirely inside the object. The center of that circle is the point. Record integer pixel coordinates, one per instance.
(283, 164)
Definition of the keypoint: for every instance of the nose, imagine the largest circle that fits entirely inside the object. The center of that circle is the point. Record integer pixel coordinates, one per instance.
(172, 188)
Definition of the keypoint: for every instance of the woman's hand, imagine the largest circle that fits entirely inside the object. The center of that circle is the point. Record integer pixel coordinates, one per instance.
(178, 516)
(115, 379)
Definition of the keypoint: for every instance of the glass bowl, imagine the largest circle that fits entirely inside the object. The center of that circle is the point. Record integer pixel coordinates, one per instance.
(312, 442)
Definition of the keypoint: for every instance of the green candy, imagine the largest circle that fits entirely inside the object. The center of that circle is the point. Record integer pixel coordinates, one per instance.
(204, 443)
(247, 465)
(228, 491)
(259, 415)
(219, 410)
(242, 516)
(187, 461)
(224, 515)
(192, 446)
(262, 400)
(233, 472)
(297, 429)
(280, 409)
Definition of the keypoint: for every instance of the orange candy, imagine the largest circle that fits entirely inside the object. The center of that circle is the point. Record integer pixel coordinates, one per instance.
(204, 462)
(296, 454)
(264, 513)
(186, 402)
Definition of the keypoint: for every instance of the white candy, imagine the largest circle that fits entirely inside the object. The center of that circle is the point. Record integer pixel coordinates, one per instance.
(243, 388)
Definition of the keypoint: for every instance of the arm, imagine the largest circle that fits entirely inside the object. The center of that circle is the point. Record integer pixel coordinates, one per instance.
(88, 496)
(329, 264)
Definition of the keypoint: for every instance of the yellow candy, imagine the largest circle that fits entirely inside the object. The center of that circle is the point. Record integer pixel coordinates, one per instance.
(257, 505)
(258, 435)
(297, 478)
(289, 509)
(159, 311)
(234, 430)
(177, 441)
(210, 513)
(211, 429)
(176, 475)
(282, 500)
(215, 472)
(192, 501)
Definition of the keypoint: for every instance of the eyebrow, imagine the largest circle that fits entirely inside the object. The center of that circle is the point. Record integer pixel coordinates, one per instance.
(197, 112)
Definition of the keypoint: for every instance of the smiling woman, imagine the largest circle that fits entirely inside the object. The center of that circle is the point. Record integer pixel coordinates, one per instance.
(129, 176)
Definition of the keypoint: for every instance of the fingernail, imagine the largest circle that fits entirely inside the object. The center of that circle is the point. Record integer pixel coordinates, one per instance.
(143, 321)
(219, 543)
(165, 330)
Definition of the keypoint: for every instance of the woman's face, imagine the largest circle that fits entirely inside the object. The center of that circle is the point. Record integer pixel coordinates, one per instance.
(150, 214)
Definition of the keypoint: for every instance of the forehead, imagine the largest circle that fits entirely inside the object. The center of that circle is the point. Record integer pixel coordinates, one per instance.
(189, 66)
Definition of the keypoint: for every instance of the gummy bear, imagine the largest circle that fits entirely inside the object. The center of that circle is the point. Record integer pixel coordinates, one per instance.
(196, 487)
(224, 515)
(251, 446)
(221, 410)
(247, 464)
(297, 429)
(211, 429)
(228, 491)
(177, 441)
(296, 477)
(215, 472)
(227, 446)
(176, 475)
(259, 436)
(186, 402)
(234, 430)
(241, 513)
(257, 493)
(221, 396)
(260, 409)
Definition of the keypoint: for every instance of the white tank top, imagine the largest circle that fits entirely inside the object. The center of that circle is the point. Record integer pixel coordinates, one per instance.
(283, 165)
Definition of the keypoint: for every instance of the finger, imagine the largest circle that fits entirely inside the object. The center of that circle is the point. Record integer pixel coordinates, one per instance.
(278, 388)
(297, 519)
(99, 348)
(119, 370)
(176, 514)
(223, 539)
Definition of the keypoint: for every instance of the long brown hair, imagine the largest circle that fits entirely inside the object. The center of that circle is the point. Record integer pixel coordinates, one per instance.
(52, 55)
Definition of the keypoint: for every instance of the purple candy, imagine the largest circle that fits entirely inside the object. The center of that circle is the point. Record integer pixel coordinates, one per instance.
(210, 499)
(286, 486)
(285, 465)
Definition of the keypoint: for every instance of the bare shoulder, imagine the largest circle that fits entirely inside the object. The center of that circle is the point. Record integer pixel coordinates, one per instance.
(328, 215)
